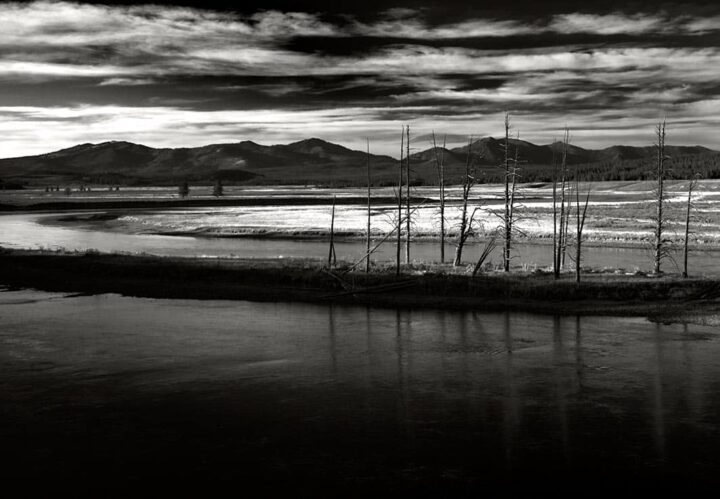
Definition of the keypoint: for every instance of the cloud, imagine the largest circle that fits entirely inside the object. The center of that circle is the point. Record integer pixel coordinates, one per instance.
(130, 82)
(414, 28)
(135, 72)
(161, 126)
(610, 24)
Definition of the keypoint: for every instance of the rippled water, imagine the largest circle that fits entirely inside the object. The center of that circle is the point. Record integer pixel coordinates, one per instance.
(109, 389)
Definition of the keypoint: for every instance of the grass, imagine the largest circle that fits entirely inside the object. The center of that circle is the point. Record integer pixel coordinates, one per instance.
(420, 284)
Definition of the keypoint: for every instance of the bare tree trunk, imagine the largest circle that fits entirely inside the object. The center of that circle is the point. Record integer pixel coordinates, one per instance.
(556, 268)
(464, 224)
(513, 189)
(578, 229)
(331, 252)
(407, 192)
(367, 250)
(440, 163)
(567, 226)
(580, 223)
(506, 246)
(489, 247)
(691, 187)
(562, 234)
(659, 222)
(400, 205)
(387, 236)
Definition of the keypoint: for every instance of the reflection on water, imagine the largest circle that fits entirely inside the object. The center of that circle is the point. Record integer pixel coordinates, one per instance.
(404, 396)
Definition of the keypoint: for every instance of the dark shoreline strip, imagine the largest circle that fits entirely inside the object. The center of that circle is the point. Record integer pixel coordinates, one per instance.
(196, 203)
(303, 280)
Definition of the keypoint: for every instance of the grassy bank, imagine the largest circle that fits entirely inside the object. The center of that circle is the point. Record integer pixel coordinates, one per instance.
(203, 202)
(307, 281)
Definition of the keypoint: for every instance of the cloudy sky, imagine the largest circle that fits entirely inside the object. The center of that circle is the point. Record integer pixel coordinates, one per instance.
(275, 72)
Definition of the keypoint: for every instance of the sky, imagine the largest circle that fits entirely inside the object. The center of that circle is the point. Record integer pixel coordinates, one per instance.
(196, 73)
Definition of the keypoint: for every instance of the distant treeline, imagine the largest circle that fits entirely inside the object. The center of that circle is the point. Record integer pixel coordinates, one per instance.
(4, 185)
(684, 167)
(706, 165)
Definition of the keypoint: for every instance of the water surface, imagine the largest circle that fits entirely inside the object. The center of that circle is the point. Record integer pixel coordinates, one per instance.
(99, 390)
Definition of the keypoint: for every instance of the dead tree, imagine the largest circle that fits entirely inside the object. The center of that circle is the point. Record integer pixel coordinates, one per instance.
(559, 219)
(408, 220)
(332, 259)
(440, 165)
(367, 240)
(465, 222)
(566, 229)
(487, 249)
(580, 216)
(691, 188)
(556, 270)
(381, 242)
(507, 224)
(660, 249)
(400, 203)
(511, 173)
(513, 190)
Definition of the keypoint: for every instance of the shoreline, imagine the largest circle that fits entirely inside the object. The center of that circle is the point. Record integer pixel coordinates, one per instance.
(665, 299)
(198, 202)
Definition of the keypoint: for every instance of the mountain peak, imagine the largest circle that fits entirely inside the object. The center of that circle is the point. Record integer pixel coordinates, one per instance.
(313, 142)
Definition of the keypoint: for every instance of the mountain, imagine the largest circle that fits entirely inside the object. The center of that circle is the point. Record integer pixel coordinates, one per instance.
(315, 161)
(489, 151)
(306, 161)
(536, 161)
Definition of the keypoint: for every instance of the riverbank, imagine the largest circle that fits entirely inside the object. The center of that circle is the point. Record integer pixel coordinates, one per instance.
(667, 298)
(69, 204)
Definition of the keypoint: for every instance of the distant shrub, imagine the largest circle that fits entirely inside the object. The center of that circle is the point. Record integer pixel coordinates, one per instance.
(218, 188)
(184, 189)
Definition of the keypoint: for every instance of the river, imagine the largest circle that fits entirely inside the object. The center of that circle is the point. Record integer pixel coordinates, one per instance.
(103, 393)
(29, 230)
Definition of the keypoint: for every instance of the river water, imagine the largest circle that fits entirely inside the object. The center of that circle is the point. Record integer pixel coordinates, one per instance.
(29, 230)
(101, 393)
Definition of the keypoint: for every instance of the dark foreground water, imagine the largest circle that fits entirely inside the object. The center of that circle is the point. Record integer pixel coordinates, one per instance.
(109, 395)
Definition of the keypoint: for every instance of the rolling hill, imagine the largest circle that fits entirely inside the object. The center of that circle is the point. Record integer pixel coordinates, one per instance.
(315, 161)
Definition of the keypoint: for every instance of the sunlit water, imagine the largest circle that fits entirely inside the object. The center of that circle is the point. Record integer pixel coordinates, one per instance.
(28, 231)
(109, 389)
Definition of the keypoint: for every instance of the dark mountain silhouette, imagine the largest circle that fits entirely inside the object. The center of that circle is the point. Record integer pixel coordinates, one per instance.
(312, 161)
(309, 160)
(536, 162)
(490, 151)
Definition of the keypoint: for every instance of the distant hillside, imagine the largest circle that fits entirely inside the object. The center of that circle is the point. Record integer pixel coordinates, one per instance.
(310, 161)
(315, 161)
(612, 163)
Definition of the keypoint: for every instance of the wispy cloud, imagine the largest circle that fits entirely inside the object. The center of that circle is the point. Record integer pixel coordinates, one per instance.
(136, 72)
(130, 82)
(612, 24)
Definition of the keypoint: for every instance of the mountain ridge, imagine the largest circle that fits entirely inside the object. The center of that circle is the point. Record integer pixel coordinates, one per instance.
(311, 160)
